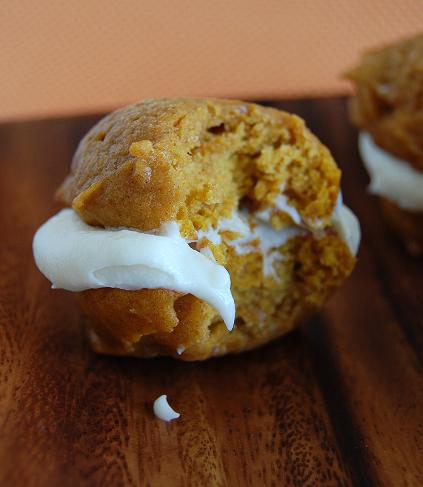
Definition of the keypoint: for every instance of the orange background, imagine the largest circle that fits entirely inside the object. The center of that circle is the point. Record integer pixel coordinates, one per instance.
(60, 57)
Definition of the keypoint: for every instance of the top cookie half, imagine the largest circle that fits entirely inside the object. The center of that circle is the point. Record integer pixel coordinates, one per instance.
(195, 161)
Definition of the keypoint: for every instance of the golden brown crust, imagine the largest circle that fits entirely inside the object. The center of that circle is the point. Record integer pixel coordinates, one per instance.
(407, 224)
(389, 98)
(196, 161)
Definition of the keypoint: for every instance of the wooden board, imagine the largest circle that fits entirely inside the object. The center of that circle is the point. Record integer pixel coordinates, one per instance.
(337, 403)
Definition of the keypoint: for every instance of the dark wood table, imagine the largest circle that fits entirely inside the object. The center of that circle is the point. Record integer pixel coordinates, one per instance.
(339, 402)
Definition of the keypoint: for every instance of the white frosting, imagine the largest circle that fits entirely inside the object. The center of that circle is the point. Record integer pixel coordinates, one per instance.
(281, 203)
(269, 242)
(391, 177)
(346, 224)
(257, 237)
(264, 215)
(76, 256)
(162, 410)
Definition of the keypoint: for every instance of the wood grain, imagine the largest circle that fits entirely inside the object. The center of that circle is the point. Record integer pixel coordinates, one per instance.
(337, 403)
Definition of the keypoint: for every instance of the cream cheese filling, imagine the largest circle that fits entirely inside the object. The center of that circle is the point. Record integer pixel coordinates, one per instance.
(76, 256)
(253, 235)
(346, 225)
(393, 178)
(344, 222)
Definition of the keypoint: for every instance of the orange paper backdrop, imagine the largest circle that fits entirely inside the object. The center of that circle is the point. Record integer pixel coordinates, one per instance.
(60, 57)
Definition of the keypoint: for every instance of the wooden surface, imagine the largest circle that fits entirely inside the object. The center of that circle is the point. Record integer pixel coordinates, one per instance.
(339, 402)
